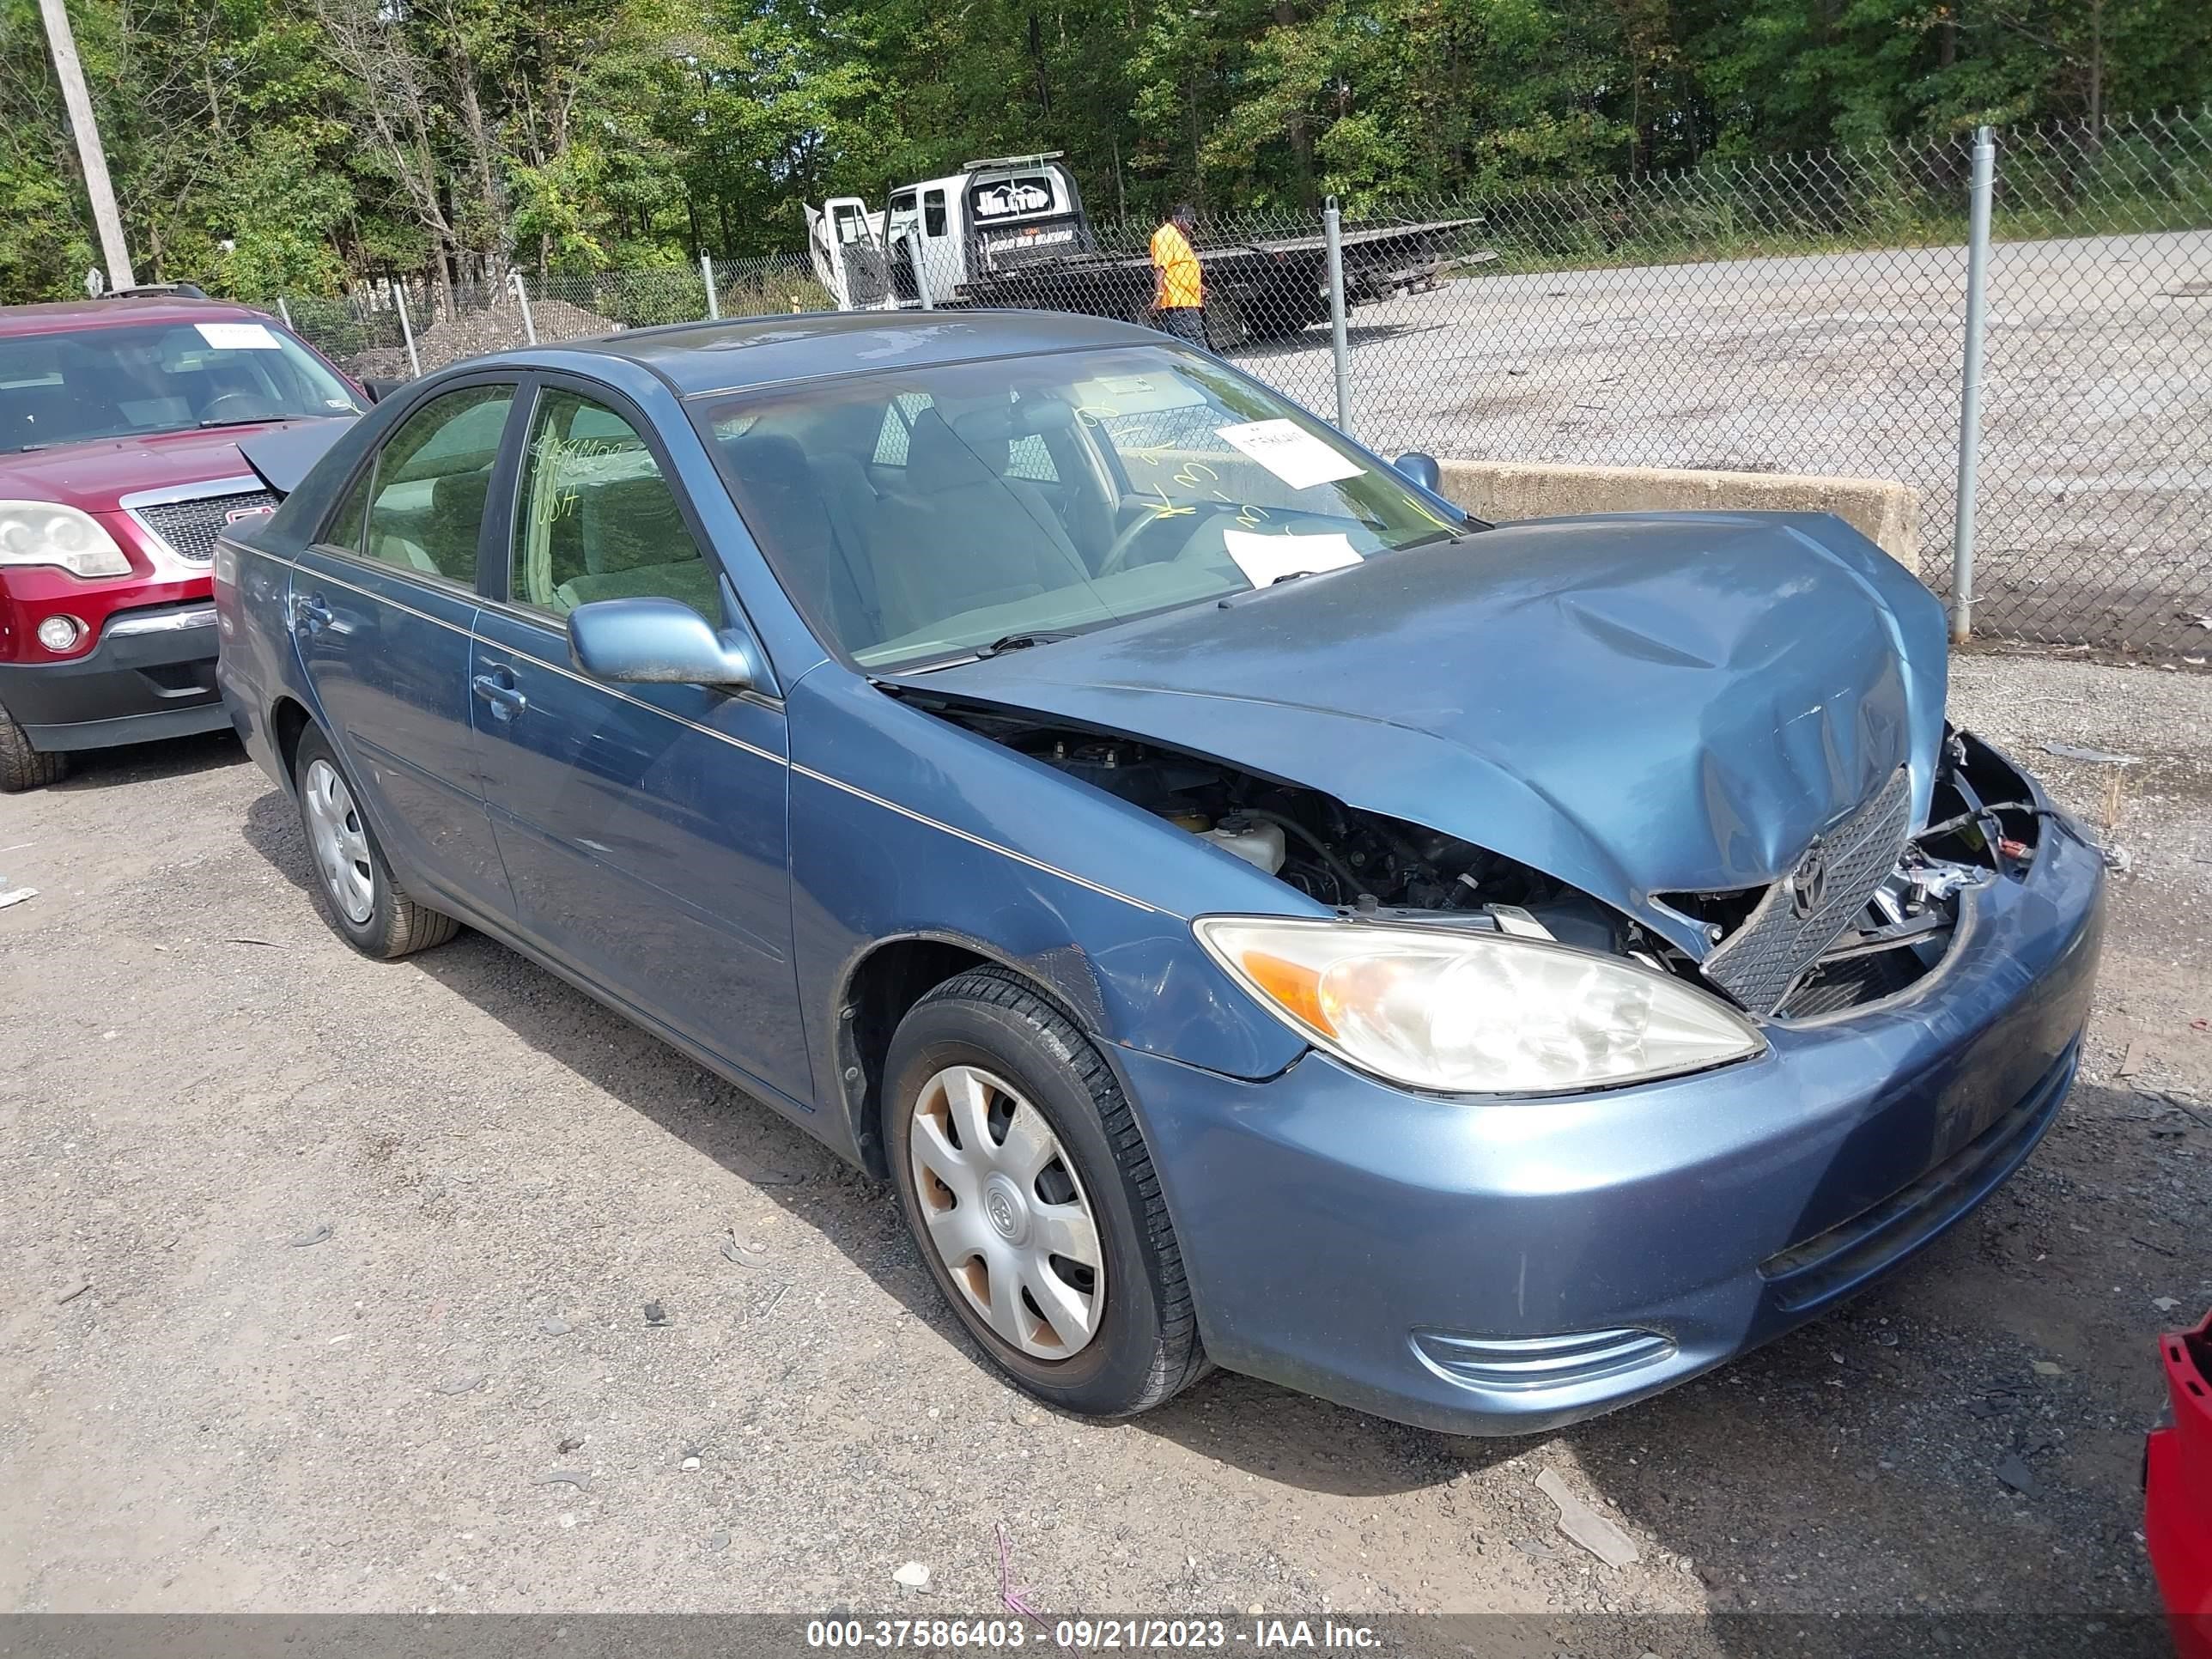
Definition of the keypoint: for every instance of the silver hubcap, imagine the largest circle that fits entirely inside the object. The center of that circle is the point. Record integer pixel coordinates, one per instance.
(340, 845)
(1004, 1211)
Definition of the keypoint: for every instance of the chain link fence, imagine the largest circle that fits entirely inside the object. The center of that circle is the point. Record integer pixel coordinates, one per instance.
(1803, 314)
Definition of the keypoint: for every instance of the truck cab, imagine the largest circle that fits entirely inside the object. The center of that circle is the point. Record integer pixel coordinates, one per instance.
(938, 237)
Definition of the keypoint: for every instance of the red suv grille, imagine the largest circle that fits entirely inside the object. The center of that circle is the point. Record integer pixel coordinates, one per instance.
(190, 527)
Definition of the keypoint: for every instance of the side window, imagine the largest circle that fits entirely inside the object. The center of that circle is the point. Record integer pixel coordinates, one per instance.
(345, 526)
(933, 212)
(1028, 458)
(426, 509)
(898, 420)
(596, 520)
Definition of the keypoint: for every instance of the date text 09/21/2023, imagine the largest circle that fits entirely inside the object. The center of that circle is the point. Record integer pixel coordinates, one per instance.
(1093, 1635)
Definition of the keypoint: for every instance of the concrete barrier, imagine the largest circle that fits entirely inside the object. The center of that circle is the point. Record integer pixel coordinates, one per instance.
(1885, 513)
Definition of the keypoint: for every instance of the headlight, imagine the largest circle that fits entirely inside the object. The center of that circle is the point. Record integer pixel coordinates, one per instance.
(46, 532)
(1475, 1012)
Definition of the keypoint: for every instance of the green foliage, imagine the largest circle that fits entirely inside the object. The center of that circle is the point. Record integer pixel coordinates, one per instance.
(296, 147)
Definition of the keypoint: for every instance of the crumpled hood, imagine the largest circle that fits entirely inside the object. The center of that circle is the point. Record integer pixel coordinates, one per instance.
(1636, 704)
(93, 476)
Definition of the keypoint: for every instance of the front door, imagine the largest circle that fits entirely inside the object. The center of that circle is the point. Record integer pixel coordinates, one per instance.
(642, 826)
(382, 607)
(847, 255)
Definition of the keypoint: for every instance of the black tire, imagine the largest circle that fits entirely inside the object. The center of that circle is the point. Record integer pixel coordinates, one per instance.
(397, 925)
(1273, 328)
(22, 767)
(1146, 1349)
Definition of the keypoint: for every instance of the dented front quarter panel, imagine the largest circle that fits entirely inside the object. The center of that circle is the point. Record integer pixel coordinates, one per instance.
(1087, 895)
(1635, 704)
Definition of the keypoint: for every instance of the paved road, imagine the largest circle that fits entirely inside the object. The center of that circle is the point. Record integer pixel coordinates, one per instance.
(2096, 504)
(200, 1077)
(2096, 500)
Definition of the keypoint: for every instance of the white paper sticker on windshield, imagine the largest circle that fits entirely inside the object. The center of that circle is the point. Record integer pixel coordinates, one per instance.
(238, 337)
(1292, 455)
(1265, 559)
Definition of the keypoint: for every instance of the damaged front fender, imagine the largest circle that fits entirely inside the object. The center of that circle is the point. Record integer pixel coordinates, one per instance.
(1635, 705)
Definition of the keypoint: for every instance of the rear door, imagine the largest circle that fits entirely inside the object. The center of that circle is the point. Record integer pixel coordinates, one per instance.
(642, 826)
(382, 610)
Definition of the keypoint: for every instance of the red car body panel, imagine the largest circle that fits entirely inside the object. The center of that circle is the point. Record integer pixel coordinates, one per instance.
(97, 474)
(147, 693)
(94, 477)
(2178, 1491)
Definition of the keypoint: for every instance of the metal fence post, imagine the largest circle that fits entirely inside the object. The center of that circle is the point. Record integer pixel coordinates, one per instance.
(407, 330)
(1970, 397)
(714, 302)
(285, 312)
(920, 272)
(522, 296)
(1333, 224)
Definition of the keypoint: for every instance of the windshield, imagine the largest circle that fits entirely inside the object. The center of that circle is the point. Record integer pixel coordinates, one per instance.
(127, 381)
(930, 514)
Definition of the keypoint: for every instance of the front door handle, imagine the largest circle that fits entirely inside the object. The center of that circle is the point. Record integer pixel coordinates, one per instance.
(311, 614)
(497, 688)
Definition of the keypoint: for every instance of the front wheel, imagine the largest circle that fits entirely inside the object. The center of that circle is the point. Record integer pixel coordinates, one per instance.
(22, 767)
(1026, 1184)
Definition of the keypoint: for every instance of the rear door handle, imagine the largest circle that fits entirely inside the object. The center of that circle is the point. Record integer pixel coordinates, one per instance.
(311, 614)
(498, 689)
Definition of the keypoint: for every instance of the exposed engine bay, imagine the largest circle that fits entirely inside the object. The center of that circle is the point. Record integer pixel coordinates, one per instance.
(1982, 825)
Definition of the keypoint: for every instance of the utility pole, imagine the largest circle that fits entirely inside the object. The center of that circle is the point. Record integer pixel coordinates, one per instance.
(94, 158)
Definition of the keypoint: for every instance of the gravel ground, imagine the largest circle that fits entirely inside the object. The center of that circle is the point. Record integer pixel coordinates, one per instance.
(454, 1400)
(2095, 508)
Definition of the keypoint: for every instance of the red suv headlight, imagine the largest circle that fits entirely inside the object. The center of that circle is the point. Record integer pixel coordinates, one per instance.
(48, 533)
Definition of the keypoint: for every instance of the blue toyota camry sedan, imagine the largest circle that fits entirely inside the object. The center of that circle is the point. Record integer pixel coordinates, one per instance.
(1252, 913)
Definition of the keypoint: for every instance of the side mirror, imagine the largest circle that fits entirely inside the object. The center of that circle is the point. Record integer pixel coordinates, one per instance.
(1422, 470)
(657, 643)
(377, 390)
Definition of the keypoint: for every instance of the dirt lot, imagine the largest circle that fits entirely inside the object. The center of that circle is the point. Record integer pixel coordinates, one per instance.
(209, 1410)
(2096, 494)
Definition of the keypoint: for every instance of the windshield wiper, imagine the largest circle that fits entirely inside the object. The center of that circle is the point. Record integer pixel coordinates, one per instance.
(1017, 642)
(1433, 538)
(249, 419)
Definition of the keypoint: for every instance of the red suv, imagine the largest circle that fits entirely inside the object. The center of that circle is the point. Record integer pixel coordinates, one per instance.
(119, 423)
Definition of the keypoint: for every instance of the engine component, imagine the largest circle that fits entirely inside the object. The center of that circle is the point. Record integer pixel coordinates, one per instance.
(1359, 863)
(1255, 841)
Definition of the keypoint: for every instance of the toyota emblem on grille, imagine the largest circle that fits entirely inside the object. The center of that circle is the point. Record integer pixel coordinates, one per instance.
(1808, 882)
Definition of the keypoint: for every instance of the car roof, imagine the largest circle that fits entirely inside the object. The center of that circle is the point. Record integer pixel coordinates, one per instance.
(698, 358)
(68, 316)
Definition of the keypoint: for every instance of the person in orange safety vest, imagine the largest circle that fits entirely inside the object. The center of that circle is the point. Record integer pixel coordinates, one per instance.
(1179, 282)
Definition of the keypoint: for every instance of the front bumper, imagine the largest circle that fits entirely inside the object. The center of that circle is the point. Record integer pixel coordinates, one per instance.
(152, 675)
(1509, 1268)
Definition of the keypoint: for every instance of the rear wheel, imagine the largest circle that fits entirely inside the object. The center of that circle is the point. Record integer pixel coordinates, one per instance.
(22, 767)
(365, 903)
(1025, 1181)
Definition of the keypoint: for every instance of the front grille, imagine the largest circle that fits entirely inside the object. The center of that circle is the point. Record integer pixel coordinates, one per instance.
(1758, 963)
(190, 527)
(1833, 987)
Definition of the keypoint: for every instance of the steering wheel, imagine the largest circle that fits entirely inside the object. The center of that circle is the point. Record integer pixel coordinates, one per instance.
(253, 405)
(1118, 554)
